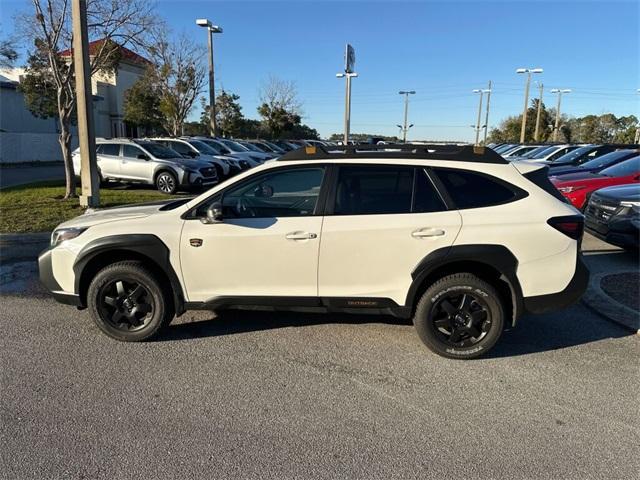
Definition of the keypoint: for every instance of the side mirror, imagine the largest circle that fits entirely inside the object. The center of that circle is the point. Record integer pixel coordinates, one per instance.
(213, 214)
(142, 156)
(193, 154)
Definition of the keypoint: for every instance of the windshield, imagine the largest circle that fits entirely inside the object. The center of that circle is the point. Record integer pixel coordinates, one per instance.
(159, 151)
(218, 148)
(628, 167)
(203, 147)
(251, 146)
(504, 148)
(571, 156)
(234, 146)
(607, 159)
(535, 151)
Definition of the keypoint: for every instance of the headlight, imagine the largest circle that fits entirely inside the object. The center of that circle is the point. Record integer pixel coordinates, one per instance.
(60, 235)
(635, 206)
(570, 189)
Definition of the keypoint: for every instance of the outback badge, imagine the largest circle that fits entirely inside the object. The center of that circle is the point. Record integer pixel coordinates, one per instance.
(195, 242)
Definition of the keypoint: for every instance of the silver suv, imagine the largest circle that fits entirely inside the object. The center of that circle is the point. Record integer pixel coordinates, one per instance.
(147, 162)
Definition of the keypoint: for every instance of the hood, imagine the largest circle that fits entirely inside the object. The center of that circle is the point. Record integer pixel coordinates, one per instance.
(622, 193)
(95, 216)
(190, 162)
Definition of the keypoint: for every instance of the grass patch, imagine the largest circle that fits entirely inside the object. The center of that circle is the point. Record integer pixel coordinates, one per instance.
(39, 207)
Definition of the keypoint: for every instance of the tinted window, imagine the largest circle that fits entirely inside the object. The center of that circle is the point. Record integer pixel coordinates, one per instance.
(131, 151)
(608, 159)
(574, 155)
(108, 149)
(179, 147)
(628, 167)
(374, 190)
(159, 151)
(289, 193)
(425, 196)
(472, 190)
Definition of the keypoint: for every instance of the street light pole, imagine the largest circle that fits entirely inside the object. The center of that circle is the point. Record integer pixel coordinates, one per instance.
(347, 104)
(405, 127)
(557, 125)
(535, 134)
(486, 118)
(528, 71)
(637, 139)
(90, 196)
(211, 29)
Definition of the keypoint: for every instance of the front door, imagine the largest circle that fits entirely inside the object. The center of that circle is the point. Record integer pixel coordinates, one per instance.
(386, 219)
(136, 164)
(266, 244)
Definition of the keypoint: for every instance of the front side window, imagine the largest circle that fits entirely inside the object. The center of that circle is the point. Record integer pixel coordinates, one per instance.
(131, 152)
(472, 190)
(289, 193)
(380, 190)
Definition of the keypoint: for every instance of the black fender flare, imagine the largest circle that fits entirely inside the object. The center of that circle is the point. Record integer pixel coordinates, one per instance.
(498, 257)
(146, 245)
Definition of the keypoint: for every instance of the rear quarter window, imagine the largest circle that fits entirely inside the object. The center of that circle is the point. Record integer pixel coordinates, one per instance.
(475, 190)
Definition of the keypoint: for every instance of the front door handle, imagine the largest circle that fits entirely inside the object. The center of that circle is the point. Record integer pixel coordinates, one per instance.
(300, 236)
(428, 232)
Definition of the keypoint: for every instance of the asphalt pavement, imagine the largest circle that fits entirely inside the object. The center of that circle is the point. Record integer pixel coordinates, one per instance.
(287, 395)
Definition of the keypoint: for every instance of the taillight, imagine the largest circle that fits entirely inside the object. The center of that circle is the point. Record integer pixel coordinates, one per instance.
(572, 225)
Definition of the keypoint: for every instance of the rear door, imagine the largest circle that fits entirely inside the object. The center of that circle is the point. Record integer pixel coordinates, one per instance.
(381, 221)
(108, 158)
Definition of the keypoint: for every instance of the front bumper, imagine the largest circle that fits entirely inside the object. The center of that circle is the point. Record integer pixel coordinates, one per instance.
(568, 296)
(619, 230)
(49, 281)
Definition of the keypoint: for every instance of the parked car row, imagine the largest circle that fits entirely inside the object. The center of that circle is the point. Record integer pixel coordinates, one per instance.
(182, 163)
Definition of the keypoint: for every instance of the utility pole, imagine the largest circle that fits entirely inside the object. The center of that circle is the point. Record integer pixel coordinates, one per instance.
(486, 118)
(90, 196)
(637, 139)
(478, 126)
(406, 127)
(557, 125)
(528, 71)
(535, 134)
(211, 29)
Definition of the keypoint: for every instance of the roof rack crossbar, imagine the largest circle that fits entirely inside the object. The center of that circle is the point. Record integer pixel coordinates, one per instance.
(464, 153)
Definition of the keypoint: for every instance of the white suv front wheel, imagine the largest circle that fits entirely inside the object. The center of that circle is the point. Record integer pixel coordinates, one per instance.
(460, 316)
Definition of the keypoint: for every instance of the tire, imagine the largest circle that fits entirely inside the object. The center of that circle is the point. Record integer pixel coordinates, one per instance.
(460, 316)
(166, 182)
(128, 303)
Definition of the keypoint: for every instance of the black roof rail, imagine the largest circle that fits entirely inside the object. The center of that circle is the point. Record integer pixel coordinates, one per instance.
(461, 153)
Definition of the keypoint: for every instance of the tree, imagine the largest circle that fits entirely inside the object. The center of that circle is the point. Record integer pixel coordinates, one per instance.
(8, 53)
(229, 116)
(280, 109)
(178, 74)
(509, 128)
(142, 105)
(49, 29)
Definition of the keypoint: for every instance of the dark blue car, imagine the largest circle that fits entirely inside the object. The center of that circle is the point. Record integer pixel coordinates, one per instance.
(596, 164)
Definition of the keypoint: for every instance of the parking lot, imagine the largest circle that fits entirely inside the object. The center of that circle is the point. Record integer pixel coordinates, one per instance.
(285, 395)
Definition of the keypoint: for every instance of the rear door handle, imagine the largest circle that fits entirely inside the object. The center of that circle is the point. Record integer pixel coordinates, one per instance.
(300, 236)
(428, 232)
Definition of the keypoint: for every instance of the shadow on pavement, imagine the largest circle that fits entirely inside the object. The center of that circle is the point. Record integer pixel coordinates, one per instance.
(570, 327)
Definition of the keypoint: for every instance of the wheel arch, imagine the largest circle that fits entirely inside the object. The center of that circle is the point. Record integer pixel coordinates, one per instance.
(162, 169)
(146, 248)
(495, 264)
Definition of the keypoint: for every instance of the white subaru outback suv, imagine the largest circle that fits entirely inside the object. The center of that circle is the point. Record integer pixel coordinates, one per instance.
(456, 238)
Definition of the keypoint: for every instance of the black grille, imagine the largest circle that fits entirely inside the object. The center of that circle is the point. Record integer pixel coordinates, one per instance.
(600, 210)
(208, 172)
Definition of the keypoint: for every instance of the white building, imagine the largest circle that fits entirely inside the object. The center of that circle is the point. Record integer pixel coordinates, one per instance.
(24, 137)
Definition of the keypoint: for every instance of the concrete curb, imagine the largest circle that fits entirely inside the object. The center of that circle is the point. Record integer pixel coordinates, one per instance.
(596, 299)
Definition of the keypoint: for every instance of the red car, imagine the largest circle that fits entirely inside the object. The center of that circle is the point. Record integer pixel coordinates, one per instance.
(578, 187)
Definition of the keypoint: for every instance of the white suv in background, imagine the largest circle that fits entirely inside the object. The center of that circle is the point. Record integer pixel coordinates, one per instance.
(129, 161)
(455, 237)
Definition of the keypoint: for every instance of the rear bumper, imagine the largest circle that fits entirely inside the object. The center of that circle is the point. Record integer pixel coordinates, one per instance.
(45, 270)
(568, 296)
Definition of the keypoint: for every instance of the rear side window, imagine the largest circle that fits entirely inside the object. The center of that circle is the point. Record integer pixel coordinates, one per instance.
(108, 149)
(473, 190)
(379, 190)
